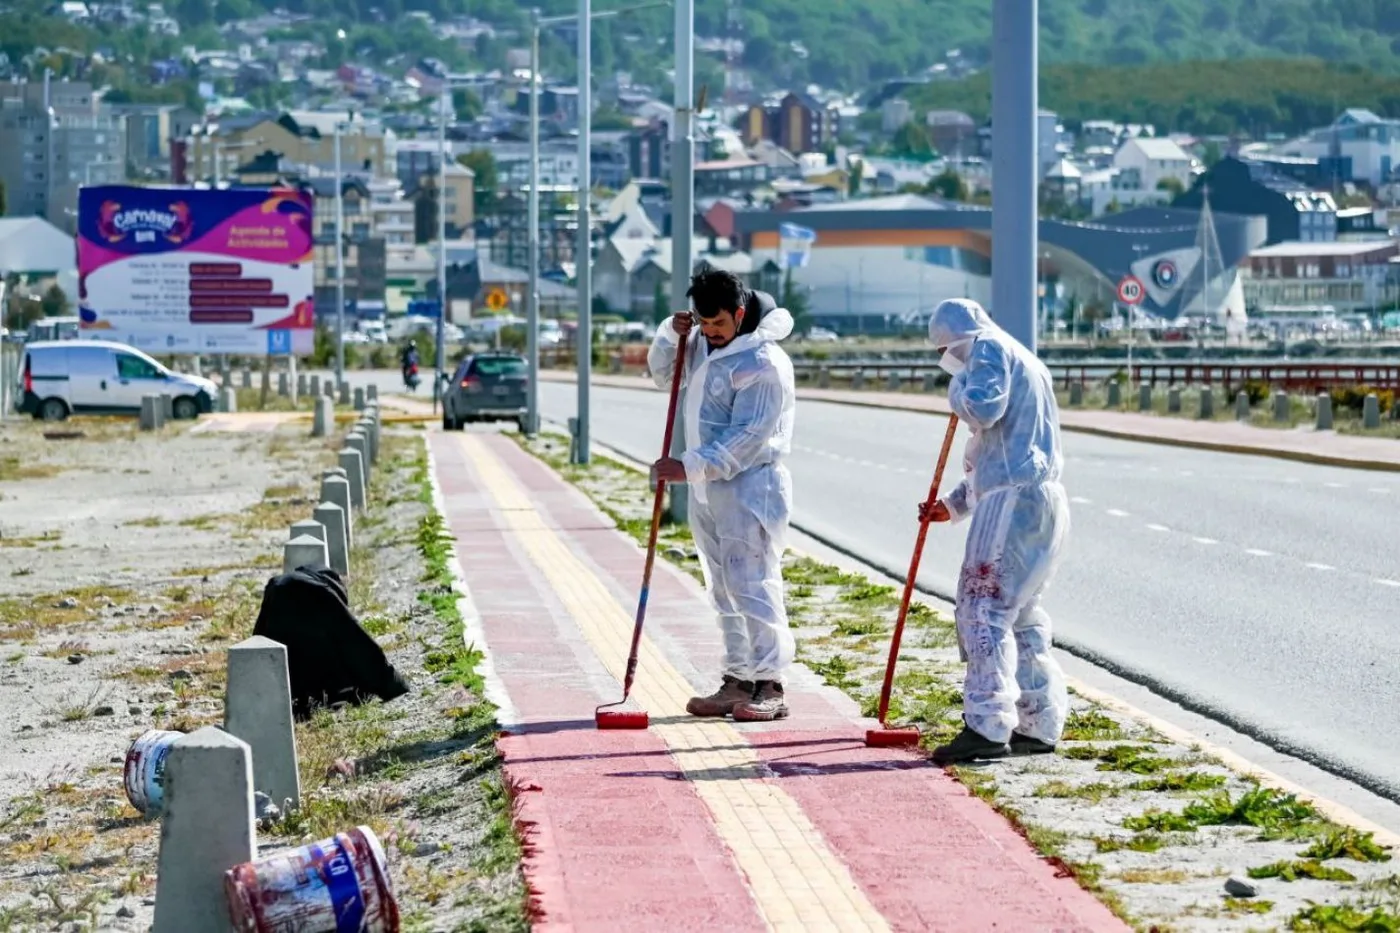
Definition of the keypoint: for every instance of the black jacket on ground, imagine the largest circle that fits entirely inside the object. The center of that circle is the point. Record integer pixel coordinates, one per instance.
(330, 659)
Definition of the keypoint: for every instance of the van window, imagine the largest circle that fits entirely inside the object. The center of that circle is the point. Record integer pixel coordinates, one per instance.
(499, 366)
(133, 367)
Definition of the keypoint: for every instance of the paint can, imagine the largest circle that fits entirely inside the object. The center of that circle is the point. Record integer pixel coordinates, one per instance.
(337, 885)
(144, 771)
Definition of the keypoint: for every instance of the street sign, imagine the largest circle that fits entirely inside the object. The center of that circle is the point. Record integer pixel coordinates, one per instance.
(279, 342)
(497, 299)
(423, 307)
(1130, 290)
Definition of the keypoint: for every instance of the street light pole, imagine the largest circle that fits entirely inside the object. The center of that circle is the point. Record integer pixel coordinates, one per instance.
(339, 264)
(1015, 158)
(583, 259)
(442, 236)
(682, 204)
(532, 294)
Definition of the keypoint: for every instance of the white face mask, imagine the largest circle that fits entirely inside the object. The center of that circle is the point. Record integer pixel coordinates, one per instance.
(950, 364)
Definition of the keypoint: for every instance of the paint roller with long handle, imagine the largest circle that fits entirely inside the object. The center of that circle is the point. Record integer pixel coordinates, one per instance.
(909, 735)
(605, 717)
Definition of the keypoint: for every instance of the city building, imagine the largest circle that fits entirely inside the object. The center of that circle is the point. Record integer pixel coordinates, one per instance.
(1359, 146)
(1306, 277)
(56, 136)
(150, 130)
(460, 197)
(305, 139)
(1157, 162)
(1247, 186)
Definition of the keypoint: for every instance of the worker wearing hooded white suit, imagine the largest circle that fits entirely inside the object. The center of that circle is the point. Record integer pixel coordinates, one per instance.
(1014, 695)
(740, 402)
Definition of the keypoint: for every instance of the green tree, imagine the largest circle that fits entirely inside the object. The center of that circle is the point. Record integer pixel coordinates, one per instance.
(853, 184)
(54, 302)
(466, 104)
(1171, 185)
(1211, 154)
(795, 300)
(948, 185)
(483, 165)
(609, 118)
(912, 139)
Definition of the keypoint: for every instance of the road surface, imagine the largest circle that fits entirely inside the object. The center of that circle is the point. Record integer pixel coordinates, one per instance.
(1262, 592)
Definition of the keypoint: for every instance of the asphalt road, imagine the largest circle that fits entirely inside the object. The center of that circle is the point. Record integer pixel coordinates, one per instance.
(1263, 593)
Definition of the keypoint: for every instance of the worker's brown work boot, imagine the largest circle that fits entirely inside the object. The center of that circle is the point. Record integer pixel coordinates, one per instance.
(764, 705)
(722, 702)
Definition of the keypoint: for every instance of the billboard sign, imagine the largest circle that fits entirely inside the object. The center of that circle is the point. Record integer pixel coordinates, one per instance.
(185, 270)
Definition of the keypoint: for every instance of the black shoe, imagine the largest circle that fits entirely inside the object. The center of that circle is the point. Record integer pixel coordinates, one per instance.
(969, 746)
(1025, 745)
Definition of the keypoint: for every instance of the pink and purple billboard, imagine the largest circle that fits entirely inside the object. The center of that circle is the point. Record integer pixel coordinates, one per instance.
(188, 270)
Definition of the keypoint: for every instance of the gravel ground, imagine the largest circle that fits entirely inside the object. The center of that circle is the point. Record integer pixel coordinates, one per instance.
(132, 561)
(1154, 827)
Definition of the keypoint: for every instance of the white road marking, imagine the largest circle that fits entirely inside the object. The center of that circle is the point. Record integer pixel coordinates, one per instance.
(1320, 567)
(1205, 540)
(1117, 513)
(1158, 528)
(1384, 582)
(867, 464)
(1188, 472)
(1379, 490)
(1335, 485)
(1080, 500)
(1258, 552)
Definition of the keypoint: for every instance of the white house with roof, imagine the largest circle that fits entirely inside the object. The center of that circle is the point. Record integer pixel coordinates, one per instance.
(1156, 159)
(1359, 146)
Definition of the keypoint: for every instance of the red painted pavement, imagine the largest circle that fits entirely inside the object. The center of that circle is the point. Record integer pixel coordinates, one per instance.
(619, 840)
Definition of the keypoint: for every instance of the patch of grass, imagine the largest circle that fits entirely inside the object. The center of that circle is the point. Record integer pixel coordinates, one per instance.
(150, 521)
(1138, 842)
(1191, 781)
(1277, 815)
(14, 469)
(1344, 918)
(1131, 759)
(805, 570)
(1153, 876)
(1091, 725)
(866, 593)
(836, 672)
(1346, 842)
(1300, 868)
(1064, 789)
(853, 626)
(1159, 821)
(282, 491)
(44, 537)
(1246, 905)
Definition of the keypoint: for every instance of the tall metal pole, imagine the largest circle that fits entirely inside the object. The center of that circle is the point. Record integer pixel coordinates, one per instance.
(442, 239)
(682, 203)
(1015, 166)
(532, 295)
(583, 260)
(339, 264)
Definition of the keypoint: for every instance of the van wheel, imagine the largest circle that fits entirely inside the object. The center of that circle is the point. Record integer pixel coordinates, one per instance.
(53, 409)
(184, 409)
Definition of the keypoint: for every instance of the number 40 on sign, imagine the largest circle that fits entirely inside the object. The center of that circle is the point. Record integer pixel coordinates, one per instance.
(1130, 290)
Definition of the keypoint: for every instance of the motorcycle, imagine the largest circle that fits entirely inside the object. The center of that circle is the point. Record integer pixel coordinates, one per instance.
(410, 377)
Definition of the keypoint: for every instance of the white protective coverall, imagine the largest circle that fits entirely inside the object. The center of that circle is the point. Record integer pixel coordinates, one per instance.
(1020, 517)
(740, 403)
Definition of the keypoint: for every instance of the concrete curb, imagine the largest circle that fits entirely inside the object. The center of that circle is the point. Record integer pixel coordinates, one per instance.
(1335, 811)
(1247, 450)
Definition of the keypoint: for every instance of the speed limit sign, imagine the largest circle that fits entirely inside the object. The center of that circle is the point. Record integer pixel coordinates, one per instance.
(1130, 290)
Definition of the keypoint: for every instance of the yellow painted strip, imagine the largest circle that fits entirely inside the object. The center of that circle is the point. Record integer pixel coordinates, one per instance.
(798, 883)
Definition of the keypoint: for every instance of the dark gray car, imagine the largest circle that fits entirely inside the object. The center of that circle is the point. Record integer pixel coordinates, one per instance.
(486, 387)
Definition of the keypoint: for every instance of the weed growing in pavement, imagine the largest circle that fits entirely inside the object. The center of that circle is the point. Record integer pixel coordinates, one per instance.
(1346, 842)
(1244, 905)
(835, 671)
(1094, 792)
(1132, 759)
(1140, 842)
(1301, 868)
(1180, 781)
(1091, 725)
(1344, 918)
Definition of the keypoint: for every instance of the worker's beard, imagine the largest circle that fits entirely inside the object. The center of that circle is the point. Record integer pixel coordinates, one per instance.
(718, 343)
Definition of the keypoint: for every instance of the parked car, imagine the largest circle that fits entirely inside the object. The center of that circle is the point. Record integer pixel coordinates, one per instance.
(822, 335)
(59, 378)
(486, 387)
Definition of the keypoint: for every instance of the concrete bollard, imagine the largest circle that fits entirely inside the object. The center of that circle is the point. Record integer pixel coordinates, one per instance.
(309, 527)
(315, 385)
(1207, 409)
(1173, 401)
(258, 710)
(228, 400)
(299, 552)
(360, 393)
(372, 391)
(328, 389)
(1371, 411)
(892, 383)
(301, 384)
(206, 829)
(247, 378)
(354, 475)
(332, 519)
(1076, 394)
(345, 393)
(1242, 405)
(1144, 398)
(284, 384)
(366, 427)
(150, 412)
(615, 365)
(360, 444)
(167, 407)
(1115, 394)
(335, 487)
(930, 382)
(858, 379)
(1282, 407)
(823, 378)
(322, 417)
(1324, 411)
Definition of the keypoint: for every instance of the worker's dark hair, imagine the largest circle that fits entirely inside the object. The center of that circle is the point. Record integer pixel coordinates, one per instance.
(714, 290)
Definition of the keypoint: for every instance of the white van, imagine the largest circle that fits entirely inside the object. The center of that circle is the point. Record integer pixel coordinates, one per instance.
(59, 378)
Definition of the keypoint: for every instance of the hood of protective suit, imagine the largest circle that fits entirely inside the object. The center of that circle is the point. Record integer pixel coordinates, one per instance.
(958, 322)
(774, 323)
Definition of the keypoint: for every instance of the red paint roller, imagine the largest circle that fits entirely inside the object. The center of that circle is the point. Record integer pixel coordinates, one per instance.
(606, 717)
(888, 735)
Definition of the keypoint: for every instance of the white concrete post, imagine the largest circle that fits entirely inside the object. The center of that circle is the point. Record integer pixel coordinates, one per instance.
(167, 407)
(858, 379)
(284, 384)
(1115, 394)
(335, 487)
(258, 710)
(1144, 397)
(1076, 394)
(309, 527)
(247, 378)
(301, 384)
(228, 400)
(823, 378)
(1242, 405)
(358, 442)
(1207, 409)
(892, 382)
(345, 393)
(1174, 401)
(315, 385)
(365, 426)
(150, 412)
(930, 382)
(206, 829)
(1324, 411)
(354, 474)
(1282, 407)
(323, 417)
(359, 398)
(299, 552)
(332, 518)
(372, 391)
(1371, 411)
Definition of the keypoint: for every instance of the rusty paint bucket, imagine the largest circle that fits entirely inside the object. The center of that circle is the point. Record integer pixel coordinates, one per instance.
(144, 771)
(337, 885)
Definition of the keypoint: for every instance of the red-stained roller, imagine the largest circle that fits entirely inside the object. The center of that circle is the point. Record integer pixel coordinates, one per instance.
(888, 735)
(606, 717)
